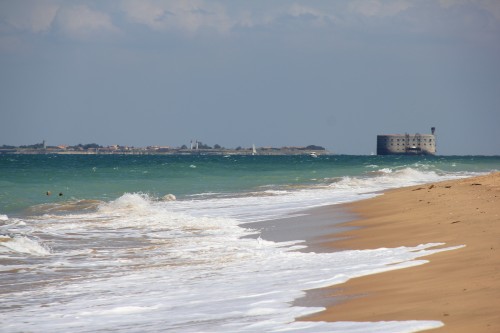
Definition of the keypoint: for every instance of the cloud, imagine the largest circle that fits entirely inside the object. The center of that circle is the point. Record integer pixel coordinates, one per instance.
(491, 6)
(33, 16)
(188, 16)
(450, 3)
(319, 17)
(81, 22)
(21, 18)
(475, 20)
(379, 7)
(44, 16)
(83, 19)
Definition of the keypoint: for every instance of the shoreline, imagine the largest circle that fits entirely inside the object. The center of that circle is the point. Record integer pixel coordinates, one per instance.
(460, 288)
(306, 227)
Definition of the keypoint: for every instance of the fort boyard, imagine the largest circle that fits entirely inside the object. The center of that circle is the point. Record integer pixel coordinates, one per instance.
(407, 144)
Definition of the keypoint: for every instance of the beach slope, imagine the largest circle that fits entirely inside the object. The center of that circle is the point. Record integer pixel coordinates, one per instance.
(461, 288)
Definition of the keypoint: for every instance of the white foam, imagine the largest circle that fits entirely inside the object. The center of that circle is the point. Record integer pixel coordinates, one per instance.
(276, 203)
(3, 217)
(22, 244)
(271, 203)
(121, 310)
(128, 202)
(364, 327)
(252, 294)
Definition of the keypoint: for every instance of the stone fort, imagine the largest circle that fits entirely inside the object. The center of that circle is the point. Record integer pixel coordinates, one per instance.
(407, 144)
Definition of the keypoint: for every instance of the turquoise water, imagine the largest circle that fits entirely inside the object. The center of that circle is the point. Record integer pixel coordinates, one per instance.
(111, 255)
(25, 179)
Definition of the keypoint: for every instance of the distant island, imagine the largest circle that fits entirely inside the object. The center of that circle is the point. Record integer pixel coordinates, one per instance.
(195, 148)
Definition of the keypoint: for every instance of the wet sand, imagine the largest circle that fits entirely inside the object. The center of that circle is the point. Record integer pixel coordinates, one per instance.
(461, 288)
(307, 226)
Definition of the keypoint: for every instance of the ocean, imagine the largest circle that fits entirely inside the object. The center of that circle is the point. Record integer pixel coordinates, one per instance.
(96, 243)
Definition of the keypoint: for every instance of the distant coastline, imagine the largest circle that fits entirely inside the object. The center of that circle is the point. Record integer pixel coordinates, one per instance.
(94, 149)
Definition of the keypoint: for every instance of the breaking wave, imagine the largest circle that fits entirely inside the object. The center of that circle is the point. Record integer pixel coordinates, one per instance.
(387, 178)
(23, 244)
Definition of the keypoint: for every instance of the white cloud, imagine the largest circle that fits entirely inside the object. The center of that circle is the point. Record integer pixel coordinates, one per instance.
(44, 15)
(84, 19)
(33, 16)
(20, 17)
(491, 6)
(450, 3)
(193, 16)
(145, 12)
(321, 17)
(189, 16)
(81, 21)
(379, 7)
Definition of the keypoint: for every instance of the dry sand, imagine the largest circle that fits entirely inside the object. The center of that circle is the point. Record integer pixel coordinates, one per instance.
(461, 288)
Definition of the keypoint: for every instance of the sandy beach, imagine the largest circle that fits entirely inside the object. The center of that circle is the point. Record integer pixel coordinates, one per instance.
(461, 288)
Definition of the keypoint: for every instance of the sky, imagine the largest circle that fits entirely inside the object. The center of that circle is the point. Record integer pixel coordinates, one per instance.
(236, 73)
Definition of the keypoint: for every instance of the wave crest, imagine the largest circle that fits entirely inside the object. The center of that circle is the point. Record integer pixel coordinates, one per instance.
(23, 244)
(128, 202)
(388, 178)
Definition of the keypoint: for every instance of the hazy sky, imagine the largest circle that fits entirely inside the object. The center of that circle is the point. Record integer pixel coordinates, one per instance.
(234, 73)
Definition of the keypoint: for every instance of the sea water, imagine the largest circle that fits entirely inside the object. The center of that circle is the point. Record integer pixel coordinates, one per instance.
(107, 251)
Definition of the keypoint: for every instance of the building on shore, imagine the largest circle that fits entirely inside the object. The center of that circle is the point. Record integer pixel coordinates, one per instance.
(407, 144)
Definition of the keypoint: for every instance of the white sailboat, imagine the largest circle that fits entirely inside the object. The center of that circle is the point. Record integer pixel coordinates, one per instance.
(254, 151)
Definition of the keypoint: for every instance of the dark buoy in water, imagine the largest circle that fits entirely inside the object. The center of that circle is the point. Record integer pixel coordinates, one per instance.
(60, 194)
